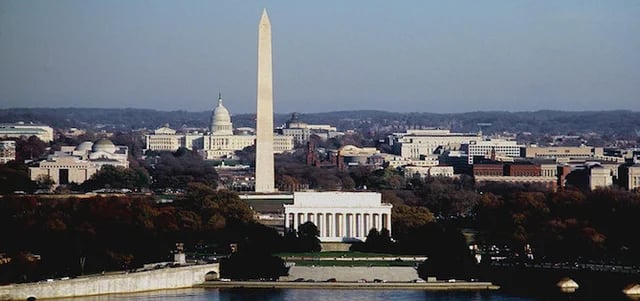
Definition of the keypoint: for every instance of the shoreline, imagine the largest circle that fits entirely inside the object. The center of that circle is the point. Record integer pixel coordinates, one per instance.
(430, 286)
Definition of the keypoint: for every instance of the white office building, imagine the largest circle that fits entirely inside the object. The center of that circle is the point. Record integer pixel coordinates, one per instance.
(500, 147)
(416, 143)
(25, 130)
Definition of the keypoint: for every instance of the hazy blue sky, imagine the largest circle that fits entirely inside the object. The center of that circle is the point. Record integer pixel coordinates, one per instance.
(403, 56)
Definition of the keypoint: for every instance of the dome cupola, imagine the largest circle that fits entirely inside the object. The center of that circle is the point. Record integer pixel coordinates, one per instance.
(221, 120)
(104, 145)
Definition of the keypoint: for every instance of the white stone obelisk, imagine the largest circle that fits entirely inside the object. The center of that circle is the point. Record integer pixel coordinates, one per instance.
(265, 180)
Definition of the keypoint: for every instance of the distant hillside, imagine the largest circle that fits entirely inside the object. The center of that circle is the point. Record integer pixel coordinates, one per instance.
(612, 123)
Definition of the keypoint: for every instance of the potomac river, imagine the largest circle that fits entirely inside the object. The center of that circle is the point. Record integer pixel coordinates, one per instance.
(288, 294)
(307, 295)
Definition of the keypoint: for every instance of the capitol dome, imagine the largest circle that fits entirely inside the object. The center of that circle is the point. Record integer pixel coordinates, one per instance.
(221, 120)
(104, 145)
(85, 146)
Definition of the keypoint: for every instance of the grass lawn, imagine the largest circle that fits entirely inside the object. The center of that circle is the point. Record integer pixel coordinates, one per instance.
(356, 263)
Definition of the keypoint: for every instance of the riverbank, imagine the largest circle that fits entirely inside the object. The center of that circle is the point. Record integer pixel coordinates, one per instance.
(429, 286)
(160, 279)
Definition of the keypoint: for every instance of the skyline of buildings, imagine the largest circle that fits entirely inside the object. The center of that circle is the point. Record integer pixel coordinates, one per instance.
(425, 149)
(221, 141)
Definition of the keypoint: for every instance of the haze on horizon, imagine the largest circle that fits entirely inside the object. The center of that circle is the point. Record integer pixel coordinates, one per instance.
(399, 56)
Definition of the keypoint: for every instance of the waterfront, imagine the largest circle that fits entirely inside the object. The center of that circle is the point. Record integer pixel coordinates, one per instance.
(307, 295)
(202, 294)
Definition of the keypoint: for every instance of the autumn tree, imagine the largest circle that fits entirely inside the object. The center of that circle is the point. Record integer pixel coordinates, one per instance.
(176, 170)
(30, 148)
(117, 177)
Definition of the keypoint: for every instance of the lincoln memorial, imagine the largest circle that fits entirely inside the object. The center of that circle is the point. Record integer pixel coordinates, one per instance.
(339, 216)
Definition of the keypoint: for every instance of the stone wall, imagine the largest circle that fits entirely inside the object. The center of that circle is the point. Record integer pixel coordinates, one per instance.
(391, 274)
(335, 246)
(167, 278)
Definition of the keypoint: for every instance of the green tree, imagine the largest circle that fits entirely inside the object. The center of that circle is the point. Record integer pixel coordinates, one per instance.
(308, 237)
(117, 177)
(14, 176)
(176, 170)
(44, 182)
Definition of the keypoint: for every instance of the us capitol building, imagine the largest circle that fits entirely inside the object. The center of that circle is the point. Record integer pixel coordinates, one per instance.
(221, 142)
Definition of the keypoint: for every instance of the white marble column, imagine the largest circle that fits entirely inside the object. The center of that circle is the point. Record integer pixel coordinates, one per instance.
(347, 227)
(387, 221)
(343, 225)
(286, 222)
(295, 221)
(319, 224)
(376, 221)
(333, 227)
(367, 223)
(360, 225)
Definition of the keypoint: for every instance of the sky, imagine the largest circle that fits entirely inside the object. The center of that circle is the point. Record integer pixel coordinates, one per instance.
(331, 55)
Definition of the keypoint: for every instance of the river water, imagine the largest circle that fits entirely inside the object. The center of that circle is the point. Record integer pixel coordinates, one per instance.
(307, 295)
(210, 294)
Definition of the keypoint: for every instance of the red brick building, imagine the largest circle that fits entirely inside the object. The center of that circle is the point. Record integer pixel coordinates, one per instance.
(488, 170)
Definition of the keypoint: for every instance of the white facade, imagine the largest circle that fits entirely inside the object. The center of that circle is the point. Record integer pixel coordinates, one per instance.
(423, 161)
(548, 170)
(599, 177)
(500, 146)
(221, 146)
(166, 139)
(7, 151)
(76, 165)
(633, 177)
(301, 131)
(428, 171)
(339, 216)
(221, 142)
(17, 130)
(557, 152)
(415, 143)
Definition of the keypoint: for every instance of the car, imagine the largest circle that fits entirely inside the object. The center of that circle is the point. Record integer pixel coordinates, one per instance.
(379, 280)
(418, 280)
(362, 280)
(299, 280)
(331, 280)
(451, 280)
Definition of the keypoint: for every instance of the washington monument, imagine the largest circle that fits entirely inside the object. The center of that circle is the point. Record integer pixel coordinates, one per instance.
(265, 180)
